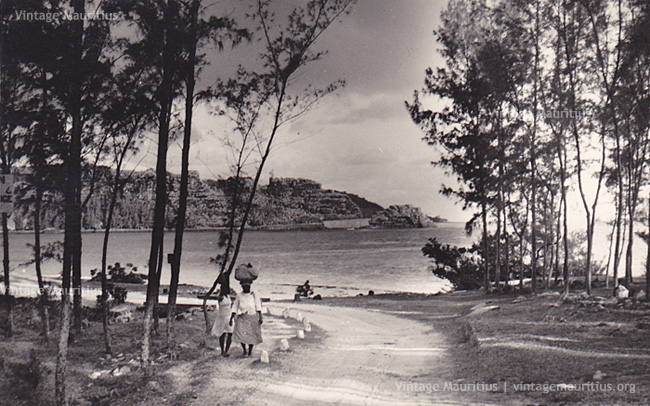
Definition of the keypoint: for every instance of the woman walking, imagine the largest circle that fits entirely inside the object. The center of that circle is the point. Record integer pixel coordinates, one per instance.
(222, 327)
(248, 330)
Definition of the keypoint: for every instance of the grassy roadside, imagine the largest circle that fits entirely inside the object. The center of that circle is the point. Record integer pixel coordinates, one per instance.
(574, 352)
(27, 362)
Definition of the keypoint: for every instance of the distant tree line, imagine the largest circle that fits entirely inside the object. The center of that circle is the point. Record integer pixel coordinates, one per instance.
(538, 98)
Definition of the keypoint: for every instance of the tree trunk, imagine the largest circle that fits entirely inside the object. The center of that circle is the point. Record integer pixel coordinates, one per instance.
(619, 211)
(37, 261)
(533, 163)
(62, 356)
(185, 163)
(497, 264)
(647, 261)
(72, 197)
(157, 233)
(5, 265)
(103, 278)
(486, 250)
(249, 203)
(630, 243)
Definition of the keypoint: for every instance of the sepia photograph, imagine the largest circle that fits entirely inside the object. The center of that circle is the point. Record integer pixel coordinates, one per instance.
(325, 202)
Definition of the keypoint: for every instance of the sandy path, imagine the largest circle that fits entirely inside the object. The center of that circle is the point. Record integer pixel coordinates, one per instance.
(366, 358)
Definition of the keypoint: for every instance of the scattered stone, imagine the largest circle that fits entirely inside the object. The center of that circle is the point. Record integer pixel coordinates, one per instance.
(519, 299)
(621, 292)
(549, 294)
(371, 293)
(296, 297)
(95, 375)
(285, 313)
(482, 308)
(608, 302)
(598, 376)
(264, 357)
(284, 345)
(317, 297)
(640, 295)
(306, 326)
(554, 305)
(600, 307)
(154, 385)
(300, 317)
(568, 299)
(300, 334)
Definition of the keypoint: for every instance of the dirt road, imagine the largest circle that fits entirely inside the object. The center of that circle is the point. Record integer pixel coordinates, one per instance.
(365, 357)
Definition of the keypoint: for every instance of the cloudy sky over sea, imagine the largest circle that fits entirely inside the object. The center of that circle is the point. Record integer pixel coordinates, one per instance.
(361, 139)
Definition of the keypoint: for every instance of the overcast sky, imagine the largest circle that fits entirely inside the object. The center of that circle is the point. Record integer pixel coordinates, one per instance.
(360, 140)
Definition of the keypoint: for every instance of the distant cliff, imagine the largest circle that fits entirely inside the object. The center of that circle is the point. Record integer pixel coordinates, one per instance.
(282, 202)
(404, 216)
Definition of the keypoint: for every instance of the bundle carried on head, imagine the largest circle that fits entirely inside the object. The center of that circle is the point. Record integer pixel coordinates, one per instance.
(246, 272)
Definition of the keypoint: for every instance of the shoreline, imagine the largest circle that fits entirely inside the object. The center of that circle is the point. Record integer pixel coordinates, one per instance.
(274, 228)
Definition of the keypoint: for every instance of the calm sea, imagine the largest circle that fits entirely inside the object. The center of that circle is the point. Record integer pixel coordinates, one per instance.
(336, 262)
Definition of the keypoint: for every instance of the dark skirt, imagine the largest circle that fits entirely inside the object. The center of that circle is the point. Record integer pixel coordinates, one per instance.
(247, 329)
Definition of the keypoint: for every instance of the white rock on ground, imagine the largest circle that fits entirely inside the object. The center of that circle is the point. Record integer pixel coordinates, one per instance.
(264, 357)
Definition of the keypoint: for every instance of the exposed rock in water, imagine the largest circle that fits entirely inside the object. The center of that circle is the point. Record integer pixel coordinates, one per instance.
(401, 216)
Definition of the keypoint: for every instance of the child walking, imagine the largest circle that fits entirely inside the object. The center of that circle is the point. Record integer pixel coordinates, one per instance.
(222, 326)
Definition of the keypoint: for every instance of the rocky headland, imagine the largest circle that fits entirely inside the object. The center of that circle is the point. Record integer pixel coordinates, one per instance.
(282, 203)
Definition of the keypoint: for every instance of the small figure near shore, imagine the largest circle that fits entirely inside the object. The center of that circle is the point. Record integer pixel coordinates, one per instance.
(248, 325)
(222, 327)
(305, 289)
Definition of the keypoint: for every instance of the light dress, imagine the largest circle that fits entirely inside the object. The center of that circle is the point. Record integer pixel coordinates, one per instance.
(247, 325)
(221, 323)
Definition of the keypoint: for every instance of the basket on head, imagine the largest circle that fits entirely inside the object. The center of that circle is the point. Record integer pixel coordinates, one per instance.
(246, 272)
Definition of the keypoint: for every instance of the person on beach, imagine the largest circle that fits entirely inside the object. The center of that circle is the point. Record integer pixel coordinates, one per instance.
(222, 327)
(248, 312)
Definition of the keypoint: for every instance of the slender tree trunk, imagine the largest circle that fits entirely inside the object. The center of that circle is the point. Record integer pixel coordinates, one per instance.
(486, 250)
(507, 247)
(609, 254)
(647, 261)
(37, 261)
(565, 267)
(185, 163)
(267, 151)
(72, 197)
(497, 271)
(533, 162)
(103, 278)
(5, 265)
(630, 243)
(558, 234)
(619, 211)
(157, 233)
(62, 356)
